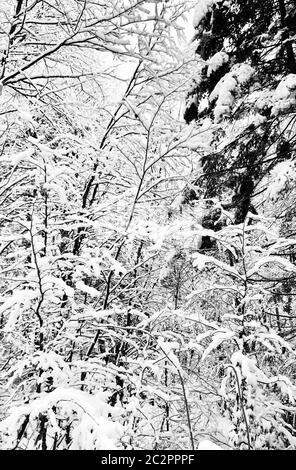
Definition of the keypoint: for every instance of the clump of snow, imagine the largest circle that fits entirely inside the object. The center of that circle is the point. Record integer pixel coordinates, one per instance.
(80, 285)
(285, 94)
(47, 362)
(26, 116)
(218, 338)
(201, 9)
(88, 415)
(15, 159)
(261, 100)
(242, 73)
(203, 104)
(203, 137)
(286, 86)
(208, 445)
(224, 91)
(200, 261)
(216, 61)
(248, 368)
(281, 174)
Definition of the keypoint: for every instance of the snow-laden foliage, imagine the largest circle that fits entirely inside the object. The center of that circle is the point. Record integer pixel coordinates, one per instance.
(147, 261)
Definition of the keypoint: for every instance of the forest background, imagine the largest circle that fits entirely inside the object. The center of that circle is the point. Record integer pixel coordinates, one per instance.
(147, 224)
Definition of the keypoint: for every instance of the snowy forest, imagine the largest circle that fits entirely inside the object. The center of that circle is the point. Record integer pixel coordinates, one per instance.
(147, 224)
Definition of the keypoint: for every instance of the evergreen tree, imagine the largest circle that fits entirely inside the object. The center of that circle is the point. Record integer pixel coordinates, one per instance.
(246, 88)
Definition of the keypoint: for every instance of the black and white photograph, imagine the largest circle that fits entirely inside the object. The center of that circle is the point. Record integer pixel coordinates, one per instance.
(147, 228)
